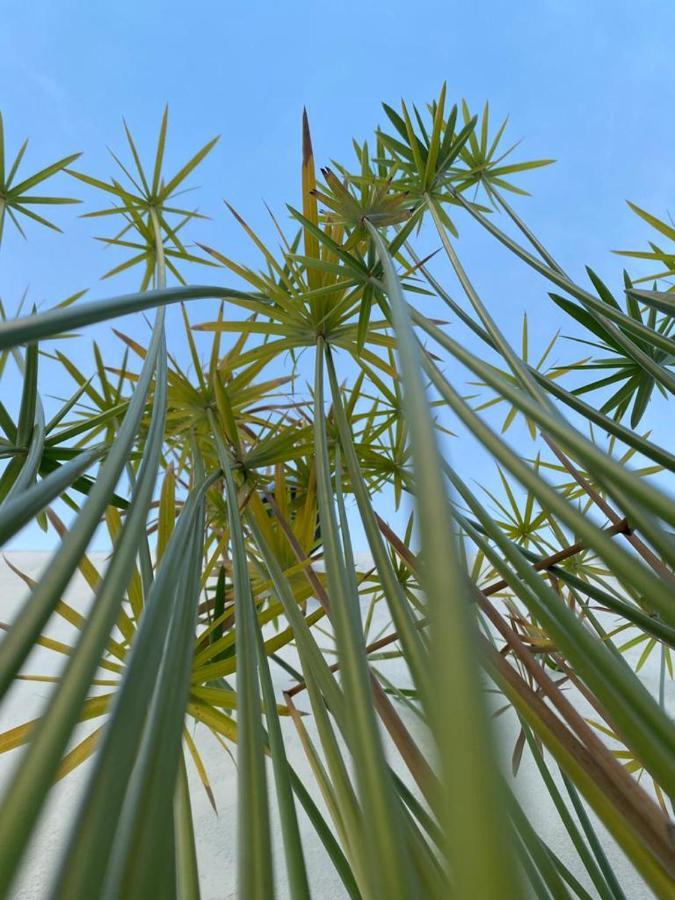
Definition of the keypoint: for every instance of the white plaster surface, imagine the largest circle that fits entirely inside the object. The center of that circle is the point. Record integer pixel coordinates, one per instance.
(216, 834)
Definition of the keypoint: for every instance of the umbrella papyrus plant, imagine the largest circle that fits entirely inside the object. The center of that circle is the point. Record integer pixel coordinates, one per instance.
(230, 461)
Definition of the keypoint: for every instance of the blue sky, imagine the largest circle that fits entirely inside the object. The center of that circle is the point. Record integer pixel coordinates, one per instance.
(591, 84)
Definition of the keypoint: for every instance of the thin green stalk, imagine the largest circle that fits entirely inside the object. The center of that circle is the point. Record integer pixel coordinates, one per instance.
(606, 315)
(20, 510)
(517, 366)
(136, 859)
(595, 845)
(538, 851)
(389, 869)
(323, 691)
(468, 813)
(255, 877)
(594, 872)
(657, 454)
(57, 321)
(570, 759)
(631, 706)
(27, 791)
(187, 872)
(85, 862)
(295, 860)
(336, 855)
(532, 238)
(645, 495)
(44, 598)
(415, 653)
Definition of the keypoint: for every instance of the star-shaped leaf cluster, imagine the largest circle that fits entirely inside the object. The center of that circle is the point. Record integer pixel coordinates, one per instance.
(146, 203)
(16, 197)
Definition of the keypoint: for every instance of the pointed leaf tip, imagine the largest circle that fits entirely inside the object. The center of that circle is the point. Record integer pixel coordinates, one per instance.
(307, 152)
